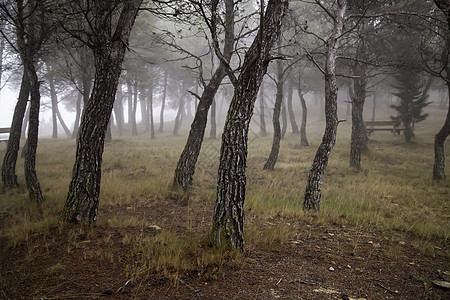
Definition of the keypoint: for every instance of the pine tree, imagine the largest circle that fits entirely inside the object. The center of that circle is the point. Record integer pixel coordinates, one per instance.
(413, 94)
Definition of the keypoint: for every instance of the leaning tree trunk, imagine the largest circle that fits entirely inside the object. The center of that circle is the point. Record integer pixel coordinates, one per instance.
(9, 176)
(271, 161)
(163, 103)
(294, 125)
(185, 169)
(313, 192)
(228, 220)
(82, 199)
(179, 116)
(303, 138)
(34, 188)
(358, 137)
(441, 136)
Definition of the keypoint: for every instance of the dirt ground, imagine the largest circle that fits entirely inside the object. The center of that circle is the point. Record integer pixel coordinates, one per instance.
(332, 261)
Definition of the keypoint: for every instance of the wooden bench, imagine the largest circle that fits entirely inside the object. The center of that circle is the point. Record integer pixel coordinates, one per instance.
(372, 126)
(4, 130)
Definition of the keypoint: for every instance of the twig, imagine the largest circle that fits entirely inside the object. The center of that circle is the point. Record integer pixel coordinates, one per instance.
(122, 287)
(388, 289)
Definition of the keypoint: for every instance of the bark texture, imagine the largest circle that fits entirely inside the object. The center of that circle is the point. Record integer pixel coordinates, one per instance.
(441, 136)
(313, 192)
(228, 219)
(109, 49)
(185, 169)
(277, 134)
(359, 138)
(9, 176)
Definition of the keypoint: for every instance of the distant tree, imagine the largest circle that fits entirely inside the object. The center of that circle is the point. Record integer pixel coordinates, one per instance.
(228, 219)
(111, 27)
(413, 94)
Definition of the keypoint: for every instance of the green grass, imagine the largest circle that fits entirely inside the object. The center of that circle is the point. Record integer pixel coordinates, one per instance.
(393, 192)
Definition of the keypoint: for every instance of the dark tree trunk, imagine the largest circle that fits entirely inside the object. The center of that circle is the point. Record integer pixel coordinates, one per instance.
(262, 117)
(185, 169)
(163, 103)
(313, 192)
(109, 49)
(359, 136)
(132, 103)
(303, 138)
(228, 220)
(441, 136)
(9, 176)
(108, 136)
(294, 125)
(76, 124)
(277, 134)
(34, 188)
(212, 132)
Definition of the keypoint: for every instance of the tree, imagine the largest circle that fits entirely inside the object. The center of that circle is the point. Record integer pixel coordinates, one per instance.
(441, 136)
(413, 94)
(313, 190)
(185, 169)
(228, 219)
(111, 28)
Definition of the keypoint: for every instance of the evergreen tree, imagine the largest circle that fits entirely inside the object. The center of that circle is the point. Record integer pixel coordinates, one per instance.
(413, 94)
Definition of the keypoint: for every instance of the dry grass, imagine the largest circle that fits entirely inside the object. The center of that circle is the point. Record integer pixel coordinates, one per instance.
(393, 193)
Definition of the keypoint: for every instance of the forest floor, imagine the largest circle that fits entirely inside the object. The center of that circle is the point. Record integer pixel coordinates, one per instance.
(382, 233)
(328, 261)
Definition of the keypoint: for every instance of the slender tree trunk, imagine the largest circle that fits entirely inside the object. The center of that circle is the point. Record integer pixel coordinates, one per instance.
(150, 108)
(163, 103)
(76, 124)
(291, 110)
(359, 136)
(185, 169)
(374, 105)
(25, 122)
(145, 115)
(82, 199)
(313, 192)
(2, 48)
(118, 110)
(9, 176)
(132, 103)
(277, 134)
(63, 124)
(54, 100)
(303, 138)
(262, 117)
(179, 117)
(283, 118)
(34, 188)
(228, 219)
(212, 132)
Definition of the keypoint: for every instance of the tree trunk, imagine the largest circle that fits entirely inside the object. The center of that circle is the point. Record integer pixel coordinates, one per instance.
(303, 139)
(132, 103)
(441, 136)
(359, 136)
(185, 169)
(23, 134)
(277, 134)
(118, 110)
(163, 103)
(63, 124)
(76, 124)
(150, 108)
(212, 132)
(283, 118)
(54, 101)
(145, 114)
(179, 116)
(228, 220)
(9, 176)
(82, 200)
(34, 188)
(262, 117)
(294, 125)
(313, 192)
